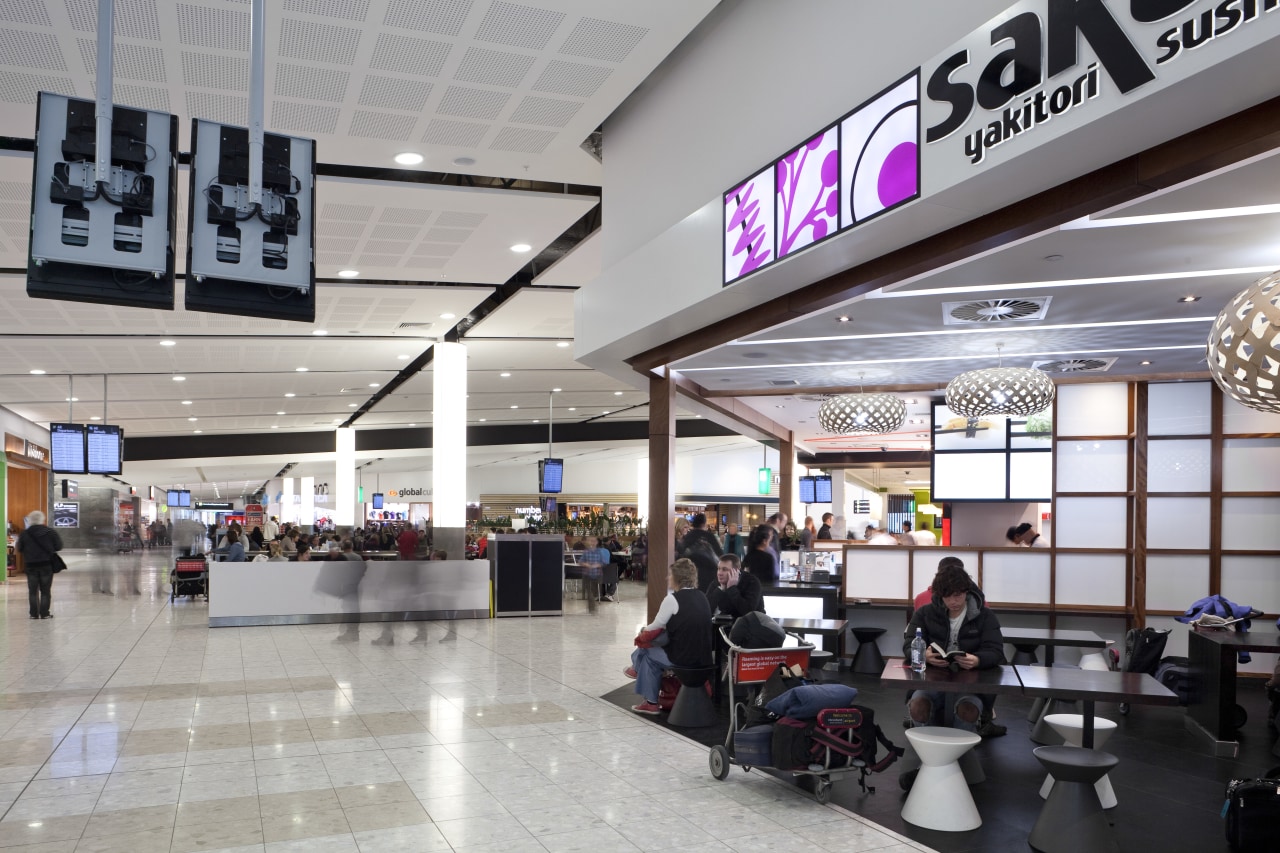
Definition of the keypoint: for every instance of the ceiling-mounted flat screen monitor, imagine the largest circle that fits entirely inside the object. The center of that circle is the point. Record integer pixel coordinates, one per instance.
(806, 490)
(104, 441)
(551, 476)
(171, 497)
(67, 448)
(184, 498)
(377, 500)
(822, 489)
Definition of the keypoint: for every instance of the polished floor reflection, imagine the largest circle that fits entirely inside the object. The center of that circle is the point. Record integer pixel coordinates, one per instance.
(127, 724)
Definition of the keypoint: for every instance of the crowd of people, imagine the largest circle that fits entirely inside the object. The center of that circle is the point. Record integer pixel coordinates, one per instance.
(280, 543)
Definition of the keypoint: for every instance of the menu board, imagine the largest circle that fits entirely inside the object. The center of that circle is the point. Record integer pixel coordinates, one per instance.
(68, 448)
(104, 449)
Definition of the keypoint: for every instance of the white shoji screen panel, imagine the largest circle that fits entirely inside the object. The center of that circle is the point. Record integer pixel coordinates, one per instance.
(1249, 524)
(1254, 581)
(1093, 409)
(1179, 408)
(1091, 579)
(1091, 522)
(1175, 580)
(1178, 465)
(877, 572)
(1238, 419)
(1093, 466)
(1178, 523)
(1016, 575)
(1251, 465)
(926, 566)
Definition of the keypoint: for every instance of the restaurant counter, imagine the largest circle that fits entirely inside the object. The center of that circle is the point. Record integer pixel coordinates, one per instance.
(800, 600)
(346, 591)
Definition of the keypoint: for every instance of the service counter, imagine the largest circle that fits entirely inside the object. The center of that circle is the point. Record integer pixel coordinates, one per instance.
(321, 591)
(800, 600)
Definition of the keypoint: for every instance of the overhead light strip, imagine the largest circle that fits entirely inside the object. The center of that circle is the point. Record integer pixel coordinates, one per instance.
(925, 359)
(998, 330)
(1073, 282)
(1159, 218)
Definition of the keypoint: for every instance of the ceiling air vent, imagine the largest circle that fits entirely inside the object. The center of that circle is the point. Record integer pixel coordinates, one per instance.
(1075, 365)
(783, 383)
(994, 310)
(415, 326)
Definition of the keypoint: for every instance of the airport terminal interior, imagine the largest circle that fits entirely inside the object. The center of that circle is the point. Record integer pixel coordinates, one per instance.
(1004, 271)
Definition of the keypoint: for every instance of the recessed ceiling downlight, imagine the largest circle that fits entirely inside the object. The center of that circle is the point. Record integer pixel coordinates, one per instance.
(521, 247)
(348, 273)
(168, 343)
(409, 158)
(464, 161)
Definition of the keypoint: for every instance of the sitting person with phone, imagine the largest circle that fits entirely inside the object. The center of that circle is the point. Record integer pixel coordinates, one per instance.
(734, 592)
(956, 619)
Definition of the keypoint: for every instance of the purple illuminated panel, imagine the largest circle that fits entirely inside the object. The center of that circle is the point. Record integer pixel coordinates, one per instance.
(808, 204)
(880, 153)
(748, 226)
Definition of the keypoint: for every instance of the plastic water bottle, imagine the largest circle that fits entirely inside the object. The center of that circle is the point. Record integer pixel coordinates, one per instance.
(917, 652)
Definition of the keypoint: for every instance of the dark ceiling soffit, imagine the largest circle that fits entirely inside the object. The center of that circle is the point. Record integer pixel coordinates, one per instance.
(867, 459)
(403, 176)
(731, 410)
(146, 449)
(938, 387)
(1238, 137)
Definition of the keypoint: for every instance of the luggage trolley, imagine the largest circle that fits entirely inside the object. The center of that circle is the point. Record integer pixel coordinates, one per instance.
(190, 577)
(753, 667)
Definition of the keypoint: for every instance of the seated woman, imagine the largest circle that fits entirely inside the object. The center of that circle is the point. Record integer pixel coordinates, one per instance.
(235, 548)
(761, 559)
(276, 553)
(734, 592)
(686, 616)
(955, 618)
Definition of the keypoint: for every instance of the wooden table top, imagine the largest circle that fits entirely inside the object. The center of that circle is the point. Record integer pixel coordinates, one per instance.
(999, 679)
(1053, 637)
(1095, 685)
(1265, 640)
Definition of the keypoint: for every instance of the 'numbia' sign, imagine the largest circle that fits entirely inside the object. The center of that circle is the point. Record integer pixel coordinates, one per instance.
(1044, 59)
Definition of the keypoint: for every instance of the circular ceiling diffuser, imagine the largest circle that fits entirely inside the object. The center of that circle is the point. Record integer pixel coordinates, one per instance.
(862, 414)
(1075, 365)
(1244, 346)
(996, 310)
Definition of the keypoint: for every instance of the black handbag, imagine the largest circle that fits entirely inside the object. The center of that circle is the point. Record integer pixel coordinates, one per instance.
(55, 559)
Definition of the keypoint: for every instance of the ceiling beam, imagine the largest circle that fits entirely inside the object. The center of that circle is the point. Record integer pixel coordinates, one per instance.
(1223, 143)
(935, 387)
(733, 414)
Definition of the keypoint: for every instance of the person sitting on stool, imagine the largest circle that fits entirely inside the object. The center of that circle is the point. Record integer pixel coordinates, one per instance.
(956, 618)
(734, 592)
(686, 618)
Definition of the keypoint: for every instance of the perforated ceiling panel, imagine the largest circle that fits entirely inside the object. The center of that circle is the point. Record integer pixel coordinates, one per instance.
(460, 219)
(442, 17)
(519, 26)
(25, 12)
(404, 215)
(493, 67)
(215, 106)
(40, 51)
(310, 83)
(374, 125)
(571, 78)
(611, 41)
(409, 55)
(147, 97)
(206, 71)
(304, 118)
(460, 134)
(318, 42)
(549, 112)
(466, 102)
(394, 93)
(522, 139)
(219, 28)
(347, 10)
(129, 61)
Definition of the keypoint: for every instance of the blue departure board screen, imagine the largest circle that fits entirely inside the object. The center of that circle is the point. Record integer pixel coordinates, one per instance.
(67, 448)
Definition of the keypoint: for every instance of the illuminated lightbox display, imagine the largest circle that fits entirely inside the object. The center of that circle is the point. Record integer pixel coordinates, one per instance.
(863, 165)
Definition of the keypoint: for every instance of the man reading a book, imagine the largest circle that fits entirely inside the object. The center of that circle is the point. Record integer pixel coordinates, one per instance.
(956, 621)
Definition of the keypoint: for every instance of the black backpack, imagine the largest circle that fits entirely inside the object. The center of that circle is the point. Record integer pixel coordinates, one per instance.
(1252, 811)
(839, 737)
(1143, 649)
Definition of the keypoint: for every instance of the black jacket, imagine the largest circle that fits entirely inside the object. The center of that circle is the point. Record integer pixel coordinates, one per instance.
(824, 532)
(689, 631)
(37, 543)
(737, 600)
(979, 632)
(762, 564)
(700, 533)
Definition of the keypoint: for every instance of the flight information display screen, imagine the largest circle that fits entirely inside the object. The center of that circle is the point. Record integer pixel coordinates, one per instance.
(551, 476)
(67, 448)
(822, 489)
(104, 448)
(806, 490)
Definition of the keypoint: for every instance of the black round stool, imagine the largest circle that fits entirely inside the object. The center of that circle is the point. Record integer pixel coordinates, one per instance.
(693, 707)
(1072, 818)
(818, 659)
(1025, 654)
(867, 660)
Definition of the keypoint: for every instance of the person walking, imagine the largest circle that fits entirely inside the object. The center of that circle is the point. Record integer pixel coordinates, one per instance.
(38, 544)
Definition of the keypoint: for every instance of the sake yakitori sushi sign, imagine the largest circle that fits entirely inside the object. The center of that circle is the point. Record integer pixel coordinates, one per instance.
(1037, 71)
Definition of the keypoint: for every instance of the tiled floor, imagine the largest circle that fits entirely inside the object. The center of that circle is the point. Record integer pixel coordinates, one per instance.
(127, 724)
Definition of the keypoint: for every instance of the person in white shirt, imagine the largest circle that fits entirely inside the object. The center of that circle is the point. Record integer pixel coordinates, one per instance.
(1026, 536)
(880, 536)
(919, 537)
(271, 529)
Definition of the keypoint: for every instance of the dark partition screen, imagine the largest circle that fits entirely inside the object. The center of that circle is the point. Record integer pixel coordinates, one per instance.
(547, 589)
(512, 575)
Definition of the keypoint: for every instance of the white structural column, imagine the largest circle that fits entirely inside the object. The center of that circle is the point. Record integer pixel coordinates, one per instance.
(449, 437)
(288, 506)
(307, 500)
(838, 505)
(344, 478)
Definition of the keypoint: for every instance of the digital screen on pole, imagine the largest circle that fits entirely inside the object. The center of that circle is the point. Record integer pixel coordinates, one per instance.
(104, 449)
(67, 448)
(377, 500)
(806, 490)
(171, 497)
(551, 476)
(822, 489)
(184, 498)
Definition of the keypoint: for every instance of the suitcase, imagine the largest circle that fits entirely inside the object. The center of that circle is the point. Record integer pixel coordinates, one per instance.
(1252, 811)
(753, 746)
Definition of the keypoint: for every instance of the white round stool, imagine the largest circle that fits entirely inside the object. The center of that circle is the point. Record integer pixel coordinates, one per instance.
(1071, 727)
(940, 799)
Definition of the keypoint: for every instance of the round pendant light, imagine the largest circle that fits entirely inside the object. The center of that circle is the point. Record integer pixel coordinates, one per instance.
(1244, 346)
(862, 414)
(1000, 391)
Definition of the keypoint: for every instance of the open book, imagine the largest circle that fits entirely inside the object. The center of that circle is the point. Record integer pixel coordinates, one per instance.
(943, 653)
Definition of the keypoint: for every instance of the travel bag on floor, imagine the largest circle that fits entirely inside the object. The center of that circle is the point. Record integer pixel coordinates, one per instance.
(1252, 811)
